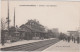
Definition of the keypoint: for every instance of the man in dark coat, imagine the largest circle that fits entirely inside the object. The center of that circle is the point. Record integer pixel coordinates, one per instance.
(68, 39)
(78, 40)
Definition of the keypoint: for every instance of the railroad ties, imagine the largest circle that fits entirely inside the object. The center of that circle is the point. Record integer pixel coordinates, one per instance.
(31, 46)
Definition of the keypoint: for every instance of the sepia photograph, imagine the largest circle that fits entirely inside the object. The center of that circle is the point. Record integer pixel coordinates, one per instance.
(42, 26)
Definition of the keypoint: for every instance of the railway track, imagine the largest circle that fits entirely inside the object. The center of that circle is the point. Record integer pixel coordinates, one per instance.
(32, 46)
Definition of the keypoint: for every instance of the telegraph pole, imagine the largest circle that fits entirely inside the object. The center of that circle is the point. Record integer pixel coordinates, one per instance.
(8, 21)
(14, 17)
(8, 14)
(79, 28)
(8, 18)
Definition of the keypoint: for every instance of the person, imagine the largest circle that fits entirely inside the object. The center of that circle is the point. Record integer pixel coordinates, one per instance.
(74, 39)
(68, 39)
(78, 40)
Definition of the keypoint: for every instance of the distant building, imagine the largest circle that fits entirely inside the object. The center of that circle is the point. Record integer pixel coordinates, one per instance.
(50, 34)
(55, 31)
(74, 34)
(33, 30)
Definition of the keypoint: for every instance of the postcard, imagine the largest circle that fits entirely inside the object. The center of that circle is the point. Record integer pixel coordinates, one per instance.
(40, 26)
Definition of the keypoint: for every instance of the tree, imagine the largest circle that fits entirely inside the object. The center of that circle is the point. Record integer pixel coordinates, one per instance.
(2, 31)
(2, 24)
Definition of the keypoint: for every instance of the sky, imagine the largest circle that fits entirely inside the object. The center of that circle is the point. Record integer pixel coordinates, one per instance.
(62, 15)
